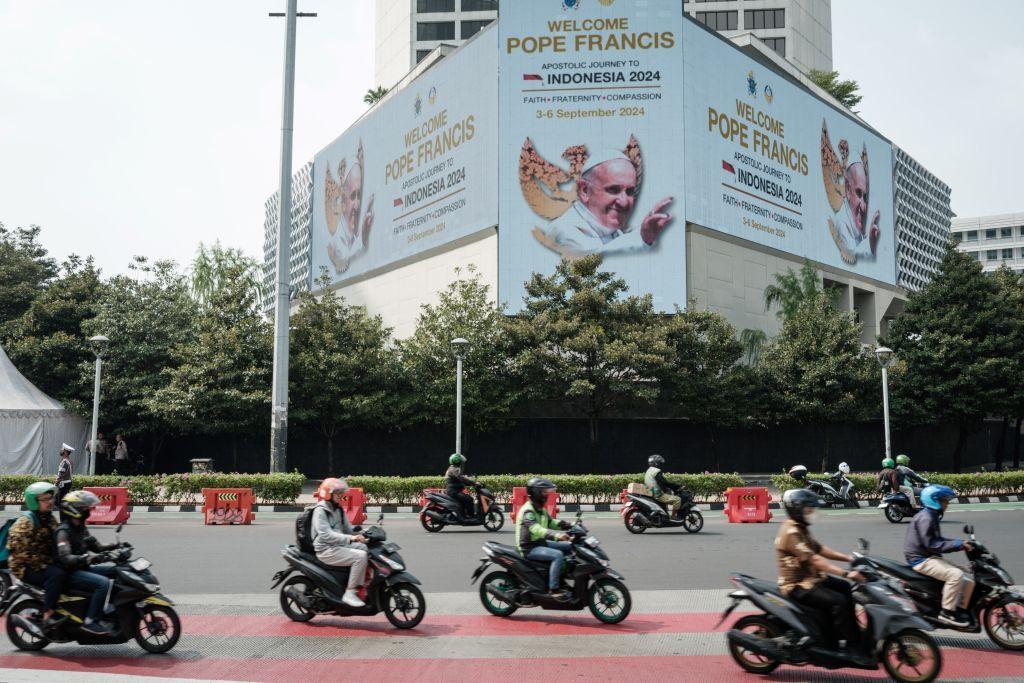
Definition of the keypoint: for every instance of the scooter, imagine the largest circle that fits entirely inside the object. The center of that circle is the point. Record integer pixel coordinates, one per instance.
(645, 512)
(519, 582)
(994, 603)
(838, 490)
(316, 588)
(139, 611)
(896, 506)
(443, 510)
(786, 632)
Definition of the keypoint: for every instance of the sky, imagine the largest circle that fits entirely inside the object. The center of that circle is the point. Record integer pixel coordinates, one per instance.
(144, 127)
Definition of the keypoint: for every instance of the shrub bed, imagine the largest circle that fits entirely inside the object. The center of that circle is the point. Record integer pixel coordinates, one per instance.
(976, 484)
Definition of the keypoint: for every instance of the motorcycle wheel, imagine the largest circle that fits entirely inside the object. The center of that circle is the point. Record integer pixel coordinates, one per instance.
(22, 638)
(894, 514)
(158, 628)
(431, 525)
(5, 585)
(634, 524)
(494, 520)
(911, 656)
(1004, 624)
(291, 608)
(609, 601)
(762, 627)
(404, 605)
(694, 521)
(851, 501)
(492, 603)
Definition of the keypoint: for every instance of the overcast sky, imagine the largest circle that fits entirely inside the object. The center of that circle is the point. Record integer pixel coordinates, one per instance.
(143, 127)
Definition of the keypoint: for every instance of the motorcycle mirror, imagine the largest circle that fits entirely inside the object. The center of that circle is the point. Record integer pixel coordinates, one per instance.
(579, 514)
(118, 529)
(969, 529)
(380, 518)
(864, 545)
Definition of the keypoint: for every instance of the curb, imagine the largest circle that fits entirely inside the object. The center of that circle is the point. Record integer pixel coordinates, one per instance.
(570, 507)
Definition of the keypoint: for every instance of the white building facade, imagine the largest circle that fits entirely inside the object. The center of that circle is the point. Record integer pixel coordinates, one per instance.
(923, 213)
(993, 240)
(300, 261)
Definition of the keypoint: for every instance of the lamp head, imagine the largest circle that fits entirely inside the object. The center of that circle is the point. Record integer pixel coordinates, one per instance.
(99, 344)
(885, 356)
(459, 347)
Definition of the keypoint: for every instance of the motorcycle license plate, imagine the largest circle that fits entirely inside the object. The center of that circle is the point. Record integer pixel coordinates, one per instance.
(883, 505)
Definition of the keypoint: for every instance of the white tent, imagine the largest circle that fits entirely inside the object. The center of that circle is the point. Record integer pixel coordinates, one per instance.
(33, 426)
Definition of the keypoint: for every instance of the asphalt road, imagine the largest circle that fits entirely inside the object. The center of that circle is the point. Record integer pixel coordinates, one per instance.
(191, 558)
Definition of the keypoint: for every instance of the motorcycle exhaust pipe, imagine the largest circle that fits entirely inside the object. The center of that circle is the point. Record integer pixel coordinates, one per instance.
(644, 519)
(759, 645)
(500, 594)
(434, 515)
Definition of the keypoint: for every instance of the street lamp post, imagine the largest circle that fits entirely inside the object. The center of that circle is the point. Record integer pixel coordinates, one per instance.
(99, 348)
(885, 358)
(459, 348)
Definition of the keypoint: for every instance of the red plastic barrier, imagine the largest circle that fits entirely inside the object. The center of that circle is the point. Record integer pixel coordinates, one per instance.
(747, 504)
(625, 502)
(113, 507)
(355, 506)
(519, 499)
(228, 506)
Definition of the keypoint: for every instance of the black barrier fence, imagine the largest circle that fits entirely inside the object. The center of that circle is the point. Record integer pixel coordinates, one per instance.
(563, 446)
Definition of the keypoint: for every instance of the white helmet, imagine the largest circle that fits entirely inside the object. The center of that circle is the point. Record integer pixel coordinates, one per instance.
(844, 468)
(798, 472)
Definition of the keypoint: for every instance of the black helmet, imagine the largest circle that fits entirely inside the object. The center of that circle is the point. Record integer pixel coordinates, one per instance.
(795, 500)
(78, 504)
(656, 461)
(537, 489)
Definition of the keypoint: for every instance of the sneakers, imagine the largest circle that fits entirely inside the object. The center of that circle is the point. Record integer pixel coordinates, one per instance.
(953, 619)
(561, 595)
(97, 628)
(352, 600)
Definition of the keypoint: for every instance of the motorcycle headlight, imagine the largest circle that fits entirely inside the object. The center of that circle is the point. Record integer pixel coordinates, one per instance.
(152, 587)
(592, 542)
(604, 563)
(906, 604)
(394, 565)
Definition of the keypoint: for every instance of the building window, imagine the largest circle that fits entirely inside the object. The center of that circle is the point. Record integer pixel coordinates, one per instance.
(764, 18)
(1022, 231)
(992, 254)
(719, 21)
(479, 5)
(776, 44)
(990, 234)
(1007, 254)
(1006, 232)
(972, 236)
(431, 6)
(435, 30)
(421, 55)
(471, 28)
(976, 255)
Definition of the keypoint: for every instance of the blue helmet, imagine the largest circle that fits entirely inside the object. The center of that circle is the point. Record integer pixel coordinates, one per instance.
(933, 495)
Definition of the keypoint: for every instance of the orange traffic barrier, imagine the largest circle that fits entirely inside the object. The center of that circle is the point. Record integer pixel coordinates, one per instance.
(423, 497)
(113, 507)
(228, 506)
(354, 503)
(747, 504)
(519, 500)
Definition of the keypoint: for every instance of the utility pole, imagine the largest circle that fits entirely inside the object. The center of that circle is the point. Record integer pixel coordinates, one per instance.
(282, 310)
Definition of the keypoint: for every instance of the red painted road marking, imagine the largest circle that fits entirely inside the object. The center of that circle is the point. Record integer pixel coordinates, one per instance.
(447, 625)
(958, 663)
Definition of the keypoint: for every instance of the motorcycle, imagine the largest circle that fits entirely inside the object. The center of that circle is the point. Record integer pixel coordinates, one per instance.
(316, 588)
(645, 512)
(786, 632)
(443, 510)
(838, 490)
(139, 611)
(519, 582)
(896, 506)
(994, 603)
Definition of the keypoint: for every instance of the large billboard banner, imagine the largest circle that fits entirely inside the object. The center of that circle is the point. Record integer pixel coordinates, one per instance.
(415, 173)
(767, 162)
(591, 144)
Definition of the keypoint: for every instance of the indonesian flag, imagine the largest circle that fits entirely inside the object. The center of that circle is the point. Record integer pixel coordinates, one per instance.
(728, 167)
(398, 202)
(532, 77)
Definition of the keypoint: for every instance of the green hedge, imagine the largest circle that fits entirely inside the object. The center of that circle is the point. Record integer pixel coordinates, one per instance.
(174, 489)
(977, 484)
(572, 488)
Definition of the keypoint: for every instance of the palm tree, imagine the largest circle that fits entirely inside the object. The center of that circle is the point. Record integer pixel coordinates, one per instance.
(375, 95)
(792, 289)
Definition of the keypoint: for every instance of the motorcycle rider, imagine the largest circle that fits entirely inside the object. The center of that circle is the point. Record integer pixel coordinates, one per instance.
(804, 569)
(908, 478)
(888, 478)
(455, 481)
(660, 488)
(79, 553)
(537, 535)
(924, 547)
(335, 541)
(30, 542)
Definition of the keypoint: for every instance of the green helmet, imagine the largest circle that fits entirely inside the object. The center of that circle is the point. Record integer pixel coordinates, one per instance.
(456, 459)
(888, 462)
(35, 490)
(902, 460)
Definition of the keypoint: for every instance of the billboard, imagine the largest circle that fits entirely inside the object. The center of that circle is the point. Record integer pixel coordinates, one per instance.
(591, 142)
(768, 162)
(415, 173)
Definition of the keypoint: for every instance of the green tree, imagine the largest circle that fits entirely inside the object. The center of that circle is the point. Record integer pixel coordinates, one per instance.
(215, 265)
(791, 290)
(1010, 290)
(375, 95)
(47, 342)
(584, 343)
(955, 337)
(491, 386)
(25, 270)
(218, 380)
(844, 91)
(343, 372)
(146, 313)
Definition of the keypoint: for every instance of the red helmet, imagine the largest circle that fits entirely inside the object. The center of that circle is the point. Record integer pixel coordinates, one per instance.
(330, 486)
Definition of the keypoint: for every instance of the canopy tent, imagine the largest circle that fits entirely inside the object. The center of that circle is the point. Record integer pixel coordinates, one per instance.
(33, 426)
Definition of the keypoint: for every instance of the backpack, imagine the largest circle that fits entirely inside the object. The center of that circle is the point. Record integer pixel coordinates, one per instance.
(5, 531)
(304, 530)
